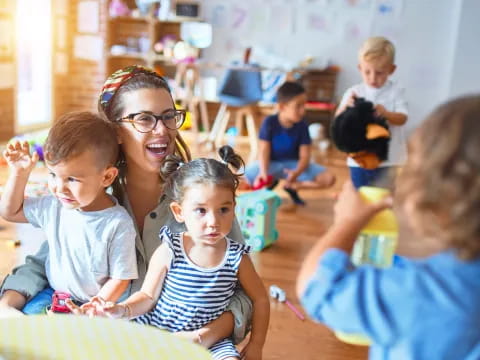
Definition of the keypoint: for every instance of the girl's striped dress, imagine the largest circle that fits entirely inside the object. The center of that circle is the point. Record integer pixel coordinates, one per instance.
(192, 296)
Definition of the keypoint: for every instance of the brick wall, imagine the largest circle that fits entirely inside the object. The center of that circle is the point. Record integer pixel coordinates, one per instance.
(7, 115)
(79, 89)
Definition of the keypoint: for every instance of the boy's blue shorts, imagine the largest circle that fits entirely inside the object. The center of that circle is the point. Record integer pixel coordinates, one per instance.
(39, 303)
(276, 169)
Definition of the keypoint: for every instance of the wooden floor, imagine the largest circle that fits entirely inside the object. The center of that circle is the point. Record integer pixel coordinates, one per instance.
(288, 337)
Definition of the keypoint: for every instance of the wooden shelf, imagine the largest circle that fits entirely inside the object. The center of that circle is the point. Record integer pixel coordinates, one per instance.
(127, 56)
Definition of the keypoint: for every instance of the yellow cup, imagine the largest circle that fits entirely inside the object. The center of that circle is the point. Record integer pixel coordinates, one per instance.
(375, 245)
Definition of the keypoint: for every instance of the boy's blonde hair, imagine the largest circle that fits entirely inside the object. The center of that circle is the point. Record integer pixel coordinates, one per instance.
(441, 180)
(377, 47)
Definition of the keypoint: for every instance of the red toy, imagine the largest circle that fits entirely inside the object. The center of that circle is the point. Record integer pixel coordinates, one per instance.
(58, 302)
(263, 183)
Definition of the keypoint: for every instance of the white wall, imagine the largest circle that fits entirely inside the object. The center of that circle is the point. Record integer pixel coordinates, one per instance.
(437, 40)
(466, 66)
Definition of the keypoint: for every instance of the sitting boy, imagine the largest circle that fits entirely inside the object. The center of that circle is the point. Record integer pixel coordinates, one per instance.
(91, 238)
(285, 146)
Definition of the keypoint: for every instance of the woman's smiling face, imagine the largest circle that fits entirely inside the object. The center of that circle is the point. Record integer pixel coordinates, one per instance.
(146, 150)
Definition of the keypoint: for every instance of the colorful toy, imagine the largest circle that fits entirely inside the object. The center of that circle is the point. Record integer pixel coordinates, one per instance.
(256, 211)
(264, 183)
(58, 302)
(281, 296)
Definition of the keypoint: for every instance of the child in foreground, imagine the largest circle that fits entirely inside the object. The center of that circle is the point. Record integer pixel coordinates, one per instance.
(422, 308)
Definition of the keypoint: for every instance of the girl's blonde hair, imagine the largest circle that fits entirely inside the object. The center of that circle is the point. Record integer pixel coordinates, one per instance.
(441, 181)
(377, 47)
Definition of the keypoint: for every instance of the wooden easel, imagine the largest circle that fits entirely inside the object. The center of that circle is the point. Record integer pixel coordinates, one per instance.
(187, 76)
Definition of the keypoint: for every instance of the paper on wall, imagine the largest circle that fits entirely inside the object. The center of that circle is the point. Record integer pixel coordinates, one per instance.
(7, 76)
(88, 47)
(88, 17)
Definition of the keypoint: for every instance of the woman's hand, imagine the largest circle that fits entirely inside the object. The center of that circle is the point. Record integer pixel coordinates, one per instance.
(252, 351)
(192, 336)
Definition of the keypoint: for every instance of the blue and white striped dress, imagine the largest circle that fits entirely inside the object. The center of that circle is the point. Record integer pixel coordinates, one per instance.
(192, 296)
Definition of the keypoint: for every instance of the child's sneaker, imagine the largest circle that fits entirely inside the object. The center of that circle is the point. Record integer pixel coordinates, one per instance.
(272, 185)
(294, 196)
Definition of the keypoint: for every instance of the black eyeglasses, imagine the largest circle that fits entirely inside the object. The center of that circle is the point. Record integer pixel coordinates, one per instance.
(145, 122)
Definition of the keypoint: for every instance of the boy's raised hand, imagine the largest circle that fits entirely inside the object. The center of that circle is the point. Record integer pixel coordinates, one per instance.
(17, 155)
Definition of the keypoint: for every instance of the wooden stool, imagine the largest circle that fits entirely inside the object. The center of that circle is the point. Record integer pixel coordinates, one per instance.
(219, 128)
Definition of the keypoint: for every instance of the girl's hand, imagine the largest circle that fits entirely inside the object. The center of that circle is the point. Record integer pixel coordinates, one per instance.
(252, 352)
(18, 157)
(95, 307)
(352, 209)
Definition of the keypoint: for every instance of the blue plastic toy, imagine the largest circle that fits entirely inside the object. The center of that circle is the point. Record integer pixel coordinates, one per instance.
(257, 212)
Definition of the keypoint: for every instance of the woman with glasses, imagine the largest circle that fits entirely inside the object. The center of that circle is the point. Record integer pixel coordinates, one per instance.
(139, 102)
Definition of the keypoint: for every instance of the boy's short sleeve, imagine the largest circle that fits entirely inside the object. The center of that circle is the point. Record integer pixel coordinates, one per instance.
(400, 102)
(266, 132)
(304, 134)
(362, 300)
(122, 254)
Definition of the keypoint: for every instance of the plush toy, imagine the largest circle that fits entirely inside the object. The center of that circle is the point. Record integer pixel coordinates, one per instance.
(362, 134)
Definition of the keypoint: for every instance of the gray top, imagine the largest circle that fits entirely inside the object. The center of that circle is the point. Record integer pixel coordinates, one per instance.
(86, 248)
(29, 278)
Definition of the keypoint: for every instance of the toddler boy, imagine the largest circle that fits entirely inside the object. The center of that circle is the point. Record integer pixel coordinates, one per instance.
(376, 64)
(91, 238)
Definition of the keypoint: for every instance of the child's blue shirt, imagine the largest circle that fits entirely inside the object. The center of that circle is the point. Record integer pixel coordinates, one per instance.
(285, 142)
(419, 309)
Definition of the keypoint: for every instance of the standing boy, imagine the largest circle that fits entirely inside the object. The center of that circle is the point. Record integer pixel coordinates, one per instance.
(376, 64)
(285, 146)
(91, 238)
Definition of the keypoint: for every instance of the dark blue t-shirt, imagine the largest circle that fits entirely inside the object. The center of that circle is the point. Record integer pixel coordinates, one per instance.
(285, 142)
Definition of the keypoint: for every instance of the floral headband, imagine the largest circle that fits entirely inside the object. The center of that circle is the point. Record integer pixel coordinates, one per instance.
(118, 78)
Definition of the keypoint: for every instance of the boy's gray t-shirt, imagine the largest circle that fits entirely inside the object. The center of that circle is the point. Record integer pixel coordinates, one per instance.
(86, 248)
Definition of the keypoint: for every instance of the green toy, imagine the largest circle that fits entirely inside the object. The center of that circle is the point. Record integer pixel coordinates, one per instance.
(257, 212)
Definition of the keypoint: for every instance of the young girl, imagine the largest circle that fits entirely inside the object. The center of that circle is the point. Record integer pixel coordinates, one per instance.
(426, 308)
(193, 274)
